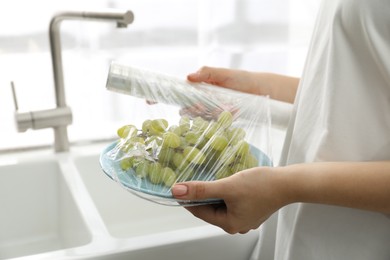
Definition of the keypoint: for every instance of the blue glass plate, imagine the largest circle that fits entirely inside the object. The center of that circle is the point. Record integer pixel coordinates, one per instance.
(158, 193)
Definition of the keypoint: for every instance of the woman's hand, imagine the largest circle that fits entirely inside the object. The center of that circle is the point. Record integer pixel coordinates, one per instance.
(250, 197)
(239, 80)
(278, 87)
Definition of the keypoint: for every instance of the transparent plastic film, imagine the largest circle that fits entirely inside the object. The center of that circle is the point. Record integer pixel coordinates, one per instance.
(214, 133)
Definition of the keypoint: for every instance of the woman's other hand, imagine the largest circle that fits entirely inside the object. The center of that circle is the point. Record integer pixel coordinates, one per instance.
(278, 87)
(250, 197)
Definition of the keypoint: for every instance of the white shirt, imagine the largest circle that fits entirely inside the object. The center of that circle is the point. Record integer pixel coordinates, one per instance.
(341, 113)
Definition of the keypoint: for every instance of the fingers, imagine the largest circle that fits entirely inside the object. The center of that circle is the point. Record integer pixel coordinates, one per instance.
(215, 76)
(194, 77)
(202, 75)
(235, 215)
(214, 214)
(219, 215)
(151, 102)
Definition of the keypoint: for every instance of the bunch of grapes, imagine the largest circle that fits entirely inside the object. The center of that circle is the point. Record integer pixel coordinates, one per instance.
(194, 148)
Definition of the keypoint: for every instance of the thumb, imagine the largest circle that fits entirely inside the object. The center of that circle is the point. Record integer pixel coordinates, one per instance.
(196, 77)
(198, 190)
(205, 74)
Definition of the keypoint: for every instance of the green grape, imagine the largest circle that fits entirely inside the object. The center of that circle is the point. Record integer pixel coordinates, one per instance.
(238, 167)
(142, 169)
(184, 129)
(243, 148)
(132, 143)
(225, 119)
(228, 155)
(158, 126)
(183, 142)
(254, 162)
(223, 172)
(168, 176)
(178, 161)
(175, 129)
(199, 124)
(127, 146)
(126, 163)
(165, 156)
(171, 140)
(184, 120)
(211, 130)
(218, 142)
(153, 140)
(184, 124)
(146, 126)
(202, 142)
(249, 161)
(155, 173)
(235, 135)
(186, 175)
(212, 159)
(193, 155)
(127, 131)
(192, 137)
(137, 140)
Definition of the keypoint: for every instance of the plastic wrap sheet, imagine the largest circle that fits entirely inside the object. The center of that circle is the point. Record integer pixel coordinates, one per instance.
(209, 134)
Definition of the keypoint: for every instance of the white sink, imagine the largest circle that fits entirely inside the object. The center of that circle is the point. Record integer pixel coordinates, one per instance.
(38, 213)
(155, 231)
(200, 243)
(62, 206)
(125, 214)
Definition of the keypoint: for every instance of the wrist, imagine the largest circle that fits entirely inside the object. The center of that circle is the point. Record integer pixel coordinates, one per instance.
(291, 184)
(278, 87)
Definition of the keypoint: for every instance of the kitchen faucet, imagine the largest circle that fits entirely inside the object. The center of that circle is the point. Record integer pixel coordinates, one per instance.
(61, 116)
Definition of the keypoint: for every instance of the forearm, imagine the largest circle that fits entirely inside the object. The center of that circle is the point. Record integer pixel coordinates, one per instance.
(278, 87)
(361, 185)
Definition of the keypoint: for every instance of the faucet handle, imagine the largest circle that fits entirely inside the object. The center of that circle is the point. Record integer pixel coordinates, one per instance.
(14, 96)
(24, 121)
(61, 116)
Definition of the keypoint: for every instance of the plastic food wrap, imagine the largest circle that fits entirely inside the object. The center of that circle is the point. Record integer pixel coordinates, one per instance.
(209, 134)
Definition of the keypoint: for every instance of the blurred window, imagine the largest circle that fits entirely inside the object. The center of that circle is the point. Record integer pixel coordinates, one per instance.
(172, 36)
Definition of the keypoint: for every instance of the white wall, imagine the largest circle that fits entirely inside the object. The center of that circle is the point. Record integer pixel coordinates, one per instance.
(172, 36)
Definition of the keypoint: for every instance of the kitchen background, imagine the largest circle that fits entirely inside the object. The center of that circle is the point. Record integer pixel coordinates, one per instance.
(172, 36)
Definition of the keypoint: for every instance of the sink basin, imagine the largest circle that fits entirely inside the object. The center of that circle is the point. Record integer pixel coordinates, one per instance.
(38, 213)
(155, 231)
(203, 244)
(62, 206)
(124, 214)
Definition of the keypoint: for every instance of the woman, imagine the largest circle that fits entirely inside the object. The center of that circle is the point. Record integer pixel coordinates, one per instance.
(331, 194)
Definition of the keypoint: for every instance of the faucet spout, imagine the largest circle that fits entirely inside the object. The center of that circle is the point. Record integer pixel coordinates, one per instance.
(122, 19)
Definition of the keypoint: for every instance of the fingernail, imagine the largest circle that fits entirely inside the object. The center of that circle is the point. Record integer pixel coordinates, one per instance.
(179, 190)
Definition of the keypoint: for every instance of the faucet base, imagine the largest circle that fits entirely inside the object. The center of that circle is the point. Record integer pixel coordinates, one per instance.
(61, 142)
